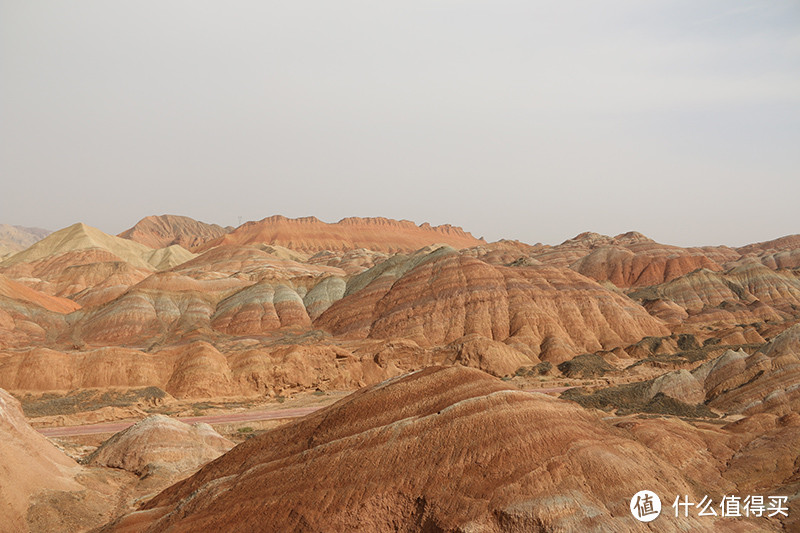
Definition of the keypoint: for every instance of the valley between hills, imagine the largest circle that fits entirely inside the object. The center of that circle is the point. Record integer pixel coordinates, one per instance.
(379, 375)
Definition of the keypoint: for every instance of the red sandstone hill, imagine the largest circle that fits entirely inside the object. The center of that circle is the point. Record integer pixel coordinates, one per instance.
(452, 449)
(166, 230)
(311, 235)
(631, 259)
(16, 238)
(642, 265)
(440, 297)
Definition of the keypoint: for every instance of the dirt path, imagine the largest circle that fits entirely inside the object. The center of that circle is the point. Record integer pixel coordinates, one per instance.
(551, 390)
(245, 416)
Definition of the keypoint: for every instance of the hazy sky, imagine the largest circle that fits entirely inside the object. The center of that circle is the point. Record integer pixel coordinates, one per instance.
(514, 119)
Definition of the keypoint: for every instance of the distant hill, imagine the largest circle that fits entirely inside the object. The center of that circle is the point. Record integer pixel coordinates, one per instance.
(16, 238)
(166, 230)
(309, 234)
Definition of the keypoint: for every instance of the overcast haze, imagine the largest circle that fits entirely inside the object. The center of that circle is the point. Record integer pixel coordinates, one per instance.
(524, 120)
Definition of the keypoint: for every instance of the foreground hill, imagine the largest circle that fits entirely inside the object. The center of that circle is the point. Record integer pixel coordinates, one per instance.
(166, 230)
(43, 489)
(447, 449)
(311, 235)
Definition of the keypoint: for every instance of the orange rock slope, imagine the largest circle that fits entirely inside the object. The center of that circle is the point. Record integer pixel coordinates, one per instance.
(29, 317)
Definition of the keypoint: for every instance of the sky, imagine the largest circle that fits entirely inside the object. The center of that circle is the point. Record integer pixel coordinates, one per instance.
(512, 119)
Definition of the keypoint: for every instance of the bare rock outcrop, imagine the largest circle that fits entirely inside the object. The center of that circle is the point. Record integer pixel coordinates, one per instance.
(789, 242)
(631, 259)
(24, 322)
(351, 262)
(255, 263)
(144, 316)
(22, 293)
(323, 295)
